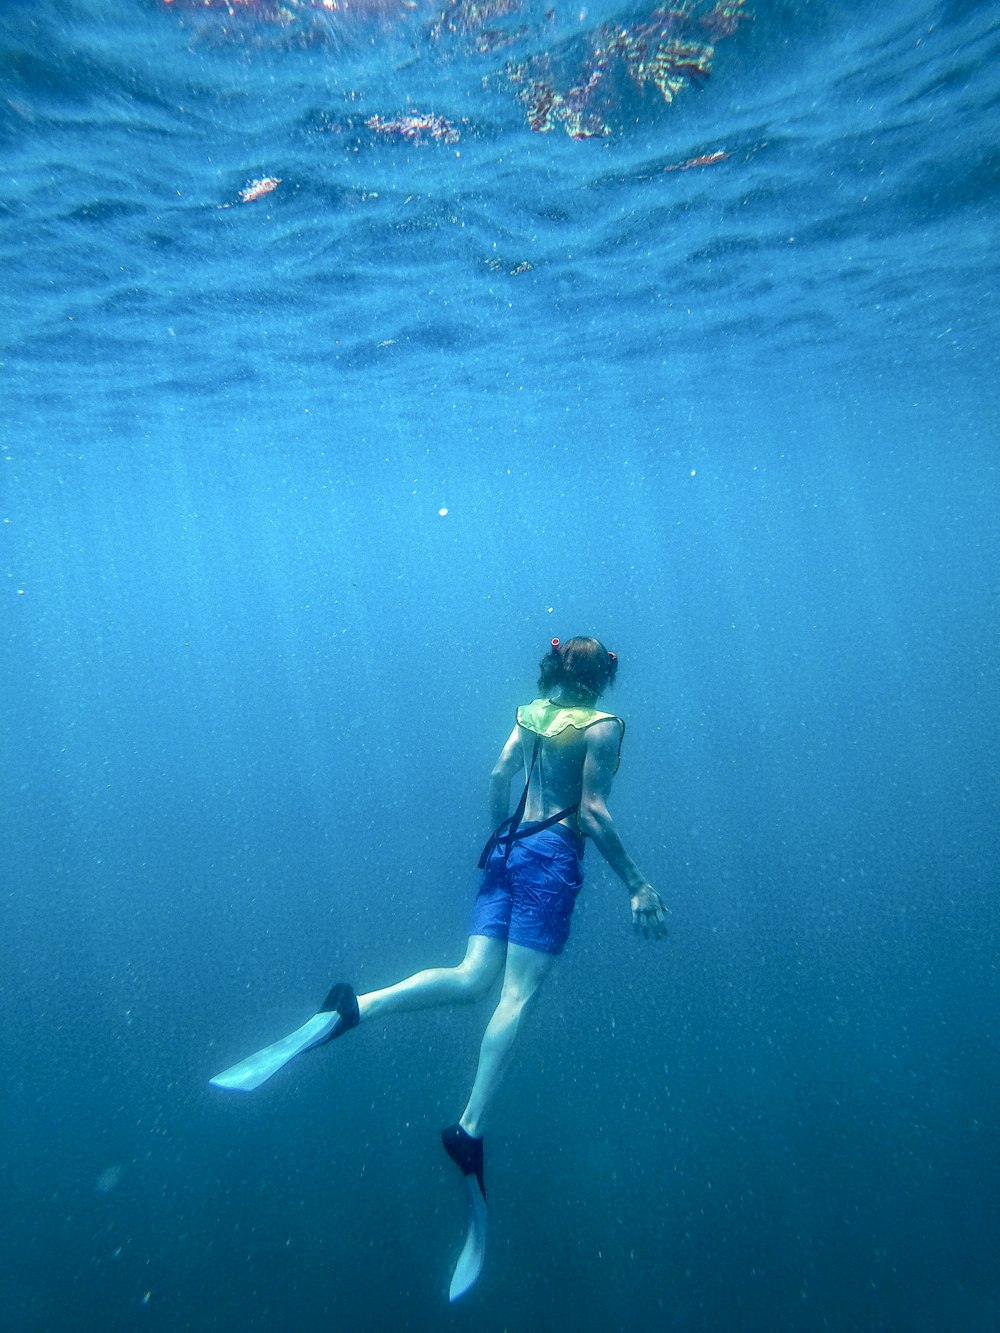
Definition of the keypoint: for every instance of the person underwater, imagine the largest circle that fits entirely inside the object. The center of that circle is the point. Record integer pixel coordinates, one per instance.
(567, 751)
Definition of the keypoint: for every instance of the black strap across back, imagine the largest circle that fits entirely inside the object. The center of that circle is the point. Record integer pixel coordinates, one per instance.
(510, 831)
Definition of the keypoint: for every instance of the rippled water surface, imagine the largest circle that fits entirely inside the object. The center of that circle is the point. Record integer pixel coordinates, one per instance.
(843, 208)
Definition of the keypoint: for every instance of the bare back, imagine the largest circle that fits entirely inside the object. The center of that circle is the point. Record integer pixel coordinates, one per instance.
(569, 767)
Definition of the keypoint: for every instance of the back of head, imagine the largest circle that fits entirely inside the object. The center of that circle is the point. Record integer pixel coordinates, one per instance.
(582, 666)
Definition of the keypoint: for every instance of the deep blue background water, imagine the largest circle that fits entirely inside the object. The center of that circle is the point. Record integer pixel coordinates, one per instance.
(738, 420)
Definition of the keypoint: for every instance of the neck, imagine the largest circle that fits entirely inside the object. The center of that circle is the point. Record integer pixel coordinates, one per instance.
(571, 699)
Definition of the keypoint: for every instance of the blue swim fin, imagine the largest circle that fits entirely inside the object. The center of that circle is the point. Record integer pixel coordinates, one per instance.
(470, 1261)
(467, 1154)
(338, 1015)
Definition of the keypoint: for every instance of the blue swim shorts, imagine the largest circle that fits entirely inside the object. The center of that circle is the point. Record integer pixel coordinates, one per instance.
(529, 898)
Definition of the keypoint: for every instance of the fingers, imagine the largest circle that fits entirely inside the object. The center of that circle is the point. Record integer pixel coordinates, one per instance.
(650, 922)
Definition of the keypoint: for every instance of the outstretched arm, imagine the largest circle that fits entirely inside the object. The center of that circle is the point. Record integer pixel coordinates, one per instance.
(648, 913)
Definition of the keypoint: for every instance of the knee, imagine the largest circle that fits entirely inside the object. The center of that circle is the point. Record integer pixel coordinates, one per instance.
(513, 1001)
(474, 981)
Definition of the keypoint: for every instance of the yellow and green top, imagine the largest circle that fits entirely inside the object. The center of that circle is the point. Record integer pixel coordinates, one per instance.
(546, 719)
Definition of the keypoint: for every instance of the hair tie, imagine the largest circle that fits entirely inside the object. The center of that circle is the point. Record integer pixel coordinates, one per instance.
(555, 645)
(613, 657)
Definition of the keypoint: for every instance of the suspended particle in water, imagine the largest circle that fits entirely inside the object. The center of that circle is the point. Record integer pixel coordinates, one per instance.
(108, 1179)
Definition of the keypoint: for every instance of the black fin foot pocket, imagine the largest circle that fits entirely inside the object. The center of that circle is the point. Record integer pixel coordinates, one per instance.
(343, 1001)
(466, 1152)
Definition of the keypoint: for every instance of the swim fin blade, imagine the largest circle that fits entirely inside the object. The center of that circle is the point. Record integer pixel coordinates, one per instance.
(258, 1068)
(470, 1261)
(338, 1015)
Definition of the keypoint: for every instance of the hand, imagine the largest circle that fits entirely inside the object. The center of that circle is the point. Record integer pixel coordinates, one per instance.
(648, 913)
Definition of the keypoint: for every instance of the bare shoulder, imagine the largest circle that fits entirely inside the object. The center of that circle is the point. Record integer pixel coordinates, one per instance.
(604, 739)
(510, 755)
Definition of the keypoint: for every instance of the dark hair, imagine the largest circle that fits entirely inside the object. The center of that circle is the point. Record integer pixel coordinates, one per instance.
(583, 665)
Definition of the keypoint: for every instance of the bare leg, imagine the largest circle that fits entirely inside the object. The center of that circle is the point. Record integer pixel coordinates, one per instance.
(525, 972)
(464, 984)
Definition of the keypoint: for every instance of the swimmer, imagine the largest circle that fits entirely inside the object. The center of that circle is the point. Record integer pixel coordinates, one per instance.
(567, 751)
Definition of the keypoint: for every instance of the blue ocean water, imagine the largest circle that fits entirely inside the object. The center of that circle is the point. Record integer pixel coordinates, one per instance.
(348, 355)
